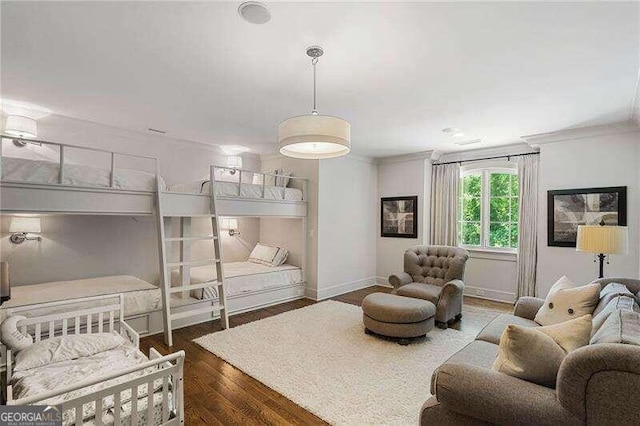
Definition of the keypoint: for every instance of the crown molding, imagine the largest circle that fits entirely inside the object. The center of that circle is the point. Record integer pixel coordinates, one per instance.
(423, 155)
(355, 157)
(581, 133)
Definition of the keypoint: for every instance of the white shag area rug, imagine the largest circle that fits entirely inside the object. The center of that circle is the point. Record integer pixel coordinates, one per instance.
(320, 358)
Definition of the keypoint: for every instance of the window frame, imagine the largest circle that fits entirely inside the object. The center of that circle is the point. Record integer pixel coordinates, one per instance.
(485, 172)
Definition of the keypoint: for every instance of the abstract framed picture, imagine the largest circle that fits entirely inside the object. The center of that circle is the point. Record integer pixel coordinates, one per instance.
(568, 208)
(399, 217)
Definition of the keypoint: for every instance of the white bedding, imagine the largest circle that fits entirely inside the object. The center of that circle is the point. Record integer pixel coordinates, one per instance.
(53, 376)
(139, 296)
(46, 172)
(230, 189)
(242, 277)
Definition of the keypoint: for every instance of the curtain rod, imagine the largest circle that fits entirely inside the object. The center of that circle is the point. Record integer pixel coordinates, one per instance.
(508, 157)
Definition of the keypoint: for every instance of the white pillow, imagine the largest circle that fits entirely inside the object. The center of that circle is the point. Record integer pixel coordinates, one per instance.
(283, 178)
(567, 301)
(270, 179)
(11, 336)
(263, 254)
(64, 348)
(281, 257)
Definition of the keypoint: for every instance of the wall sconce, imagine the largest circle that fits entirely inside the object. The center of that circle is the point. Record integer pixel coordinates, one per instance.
(231, 225)
(234, 162)
(21, 227)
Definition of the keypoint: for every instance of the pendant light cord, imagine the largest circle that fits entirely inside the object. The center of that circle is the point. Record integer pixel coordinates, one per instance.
(314, 61)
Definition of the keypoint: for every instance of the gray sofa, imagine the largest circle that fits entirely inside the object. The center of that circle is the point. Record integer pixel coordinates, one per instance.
(436, 274)
(598, 384)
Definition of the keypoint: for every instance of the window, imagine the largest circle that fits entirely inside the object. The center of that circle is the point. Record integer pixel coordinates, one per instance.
(488, 209)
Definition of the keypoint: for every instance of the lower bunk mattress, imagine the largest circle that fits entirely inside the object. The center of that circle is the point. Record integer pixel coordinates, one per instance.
(139, 296)
(241, 278)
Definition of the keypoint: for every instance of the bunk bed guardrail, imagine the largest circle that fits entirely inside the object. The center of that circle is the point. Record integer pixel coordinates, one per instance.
(280, 181)
(61, 161)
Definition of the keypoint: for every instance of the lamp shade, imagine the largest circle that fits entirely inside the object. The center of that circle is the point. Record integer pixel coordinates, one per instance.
(23, 127)
(314, 137)
(234, 161)
(25, 224)
(603, 239)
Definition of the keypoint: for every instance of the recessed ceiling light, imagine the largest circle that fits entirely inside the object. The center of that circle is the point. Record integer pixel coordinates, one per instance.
(254, 12)
(234, 149)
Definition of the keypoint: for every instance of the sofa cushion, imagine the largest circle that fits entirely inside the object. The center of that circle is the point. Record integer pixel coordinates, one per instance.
(621, 326)
(535, 354)
(493, 331)
(478, 353)
(608, 293)
(567, 301)
(624, 303)
(428, 292)
(390, 308)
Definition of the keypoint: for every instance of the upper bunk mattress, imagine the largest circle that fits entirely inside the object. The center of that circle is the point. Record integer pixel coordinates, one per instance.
(247, 190)
(46, 172)
(139, 296)
(241, 277)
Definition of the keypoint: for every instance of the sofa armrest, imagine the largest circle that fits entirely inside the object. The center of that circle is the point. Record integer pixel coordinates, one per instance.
(527, 307)
(601, 380)
(496, 397)
(400, 279)
(452, 288)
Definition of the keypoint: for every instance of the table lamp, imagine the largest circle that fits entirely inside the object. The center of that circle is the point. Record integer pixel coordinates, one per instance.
(602, 240)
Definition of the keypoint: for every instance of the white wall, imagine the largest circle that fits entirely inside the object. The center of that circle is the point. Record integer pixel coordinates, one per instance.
(307, 169)
(347, 211)
(597, 161)
(285, 233)
(89, 246)
(401, 177)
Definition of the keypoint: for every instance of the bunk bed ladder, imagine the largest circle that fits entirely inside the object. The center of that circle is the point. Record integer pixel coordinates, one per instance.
(185, 264)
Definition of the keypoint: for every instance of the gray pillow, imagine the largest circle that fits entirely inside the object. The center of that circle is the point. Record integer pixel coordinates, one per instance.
(621, 326)
(608, 293)
(626, 303)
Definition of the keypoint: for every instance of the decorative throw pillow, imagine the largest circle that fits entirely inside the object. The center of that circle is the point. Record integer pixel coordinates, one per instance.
(534, 354)
(281, 257)
(567, 301)
(263, 254)
(283, 178)
(621, 326)
(12, 337)
(618, 303)
(608, 293)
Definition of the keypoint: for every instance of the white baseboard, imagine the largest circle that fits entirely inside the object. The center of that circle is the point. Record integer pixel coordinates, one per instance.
(490, 294)
(339, 289)
(384, 282)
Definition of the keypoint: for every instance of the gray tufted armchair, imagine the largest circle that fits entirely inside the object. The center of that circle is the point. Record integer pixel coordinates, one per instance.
(436, 274)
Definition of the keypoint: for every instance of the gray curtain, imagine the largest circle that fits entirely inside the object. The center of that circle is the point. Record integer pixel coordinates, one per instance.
(445, 180)
(527, 225)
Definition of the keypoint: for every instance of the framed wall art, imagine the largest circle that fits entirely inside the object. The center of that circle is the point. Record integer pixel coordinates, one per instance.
(399, 217)
(568, 208)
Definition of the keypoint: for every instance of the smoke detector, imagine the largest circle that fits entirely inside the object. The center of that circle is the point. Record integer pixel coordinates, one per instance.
(254, 12)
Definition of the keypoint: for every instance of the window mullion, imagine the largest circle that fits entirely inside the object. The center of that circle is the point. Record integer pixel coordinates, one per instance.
(485, 214)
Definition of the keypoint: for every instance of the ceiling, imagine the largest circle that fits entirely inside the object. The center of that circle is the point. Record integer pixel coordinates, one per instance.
(399, 72)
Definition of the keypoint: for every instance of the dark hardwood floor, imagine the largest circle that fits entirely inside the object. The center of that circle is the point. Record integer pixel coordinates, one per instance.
(215, 392)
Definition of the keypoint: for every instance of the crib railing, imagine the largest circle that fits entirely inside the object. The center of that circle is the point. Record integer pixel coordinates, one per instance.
(279, 181)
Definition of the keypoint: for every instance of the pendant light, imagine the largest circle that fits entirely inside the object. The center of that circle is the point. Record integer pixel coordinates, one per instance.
(314, 136)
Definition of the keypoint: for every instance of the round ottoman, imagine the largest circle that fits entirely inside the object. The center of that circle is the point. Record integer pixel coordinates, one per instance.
(397, 316)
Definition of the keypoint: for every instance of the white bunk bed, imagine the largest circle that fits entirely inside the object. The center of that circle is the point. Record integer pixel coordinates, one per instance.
(46, 187)
(100, 377)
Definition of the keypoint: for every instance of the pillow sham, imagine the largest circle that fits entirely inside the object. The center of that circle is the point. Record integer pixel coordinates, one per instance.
(263, 254)
(567, 301)
(534, 354)
(281, 257)
(11, 336)
(64, 348)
